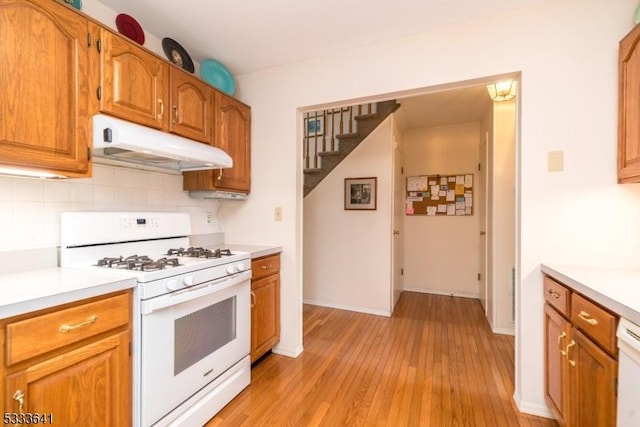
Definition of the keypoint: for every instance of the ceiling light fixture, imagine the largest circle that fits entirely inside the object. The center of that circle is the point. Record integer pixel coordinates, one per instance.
(502, 91)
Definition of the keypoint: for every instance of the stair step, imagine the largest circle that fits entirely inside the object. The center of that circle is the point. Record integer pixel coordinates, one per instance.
(347, 135)
(366, 116)
(312, 170)
(329, 153)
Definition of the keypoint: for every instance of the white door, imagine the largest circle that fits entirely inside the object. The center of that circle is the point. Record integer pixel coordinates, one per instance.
(398, 224)
(481, 200)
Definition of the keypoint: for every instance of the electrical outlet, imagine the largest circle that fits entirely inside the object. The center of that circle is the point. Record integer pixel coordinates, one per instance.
(278, 213)
(209, 217)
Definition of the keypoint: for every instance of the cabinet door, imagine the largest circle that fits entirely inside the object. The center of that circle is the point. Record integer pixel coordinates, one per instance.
(88, 386)
(233, 128)
(43, 87)
(556, 381)
(629, 108)
(232, 134)
(592, 377)
(191, 107)
(265, 315)
(134, 83)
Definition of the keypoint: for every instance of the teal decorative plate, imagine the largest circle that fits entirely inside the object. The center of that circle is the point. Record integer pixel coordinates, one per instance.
(218, 76)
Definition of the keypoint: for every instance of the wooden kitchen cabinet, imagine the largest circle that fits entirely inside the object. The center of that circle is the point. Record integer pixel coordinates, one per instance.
(191, 107)
(233, 135)
(580, 362)
(131, 83)
(629, 108)
(140, 87)
(265, 305)
(43, 87)
(71, 363)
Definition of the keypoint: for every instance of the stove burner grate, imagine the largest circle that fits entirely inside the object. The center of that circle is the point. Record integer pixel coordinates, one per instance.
(138, 262)
(199, 252)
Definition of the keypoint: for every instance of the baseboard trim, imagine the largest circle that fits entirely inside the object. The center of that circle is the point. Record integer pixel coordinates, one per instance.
(504, 331)
(358, 309)
(442, 292)
(288, 352)
(532, 408)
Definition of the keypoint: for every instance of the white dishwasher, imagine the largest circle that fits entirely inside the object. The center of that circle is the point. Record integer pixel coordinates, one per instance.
(628, 374)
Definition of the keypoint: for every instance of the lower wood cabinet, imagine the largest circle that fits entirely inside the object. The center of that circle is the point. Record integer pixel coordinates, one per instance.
(265, 305)
(581, 366)
(70, 365)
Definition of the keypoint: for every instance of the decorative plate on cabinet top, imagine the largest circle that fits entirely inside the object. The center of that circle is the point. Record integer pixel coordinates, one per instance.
(218, 76)
(177, 54)
(75, 3)
(130, 28)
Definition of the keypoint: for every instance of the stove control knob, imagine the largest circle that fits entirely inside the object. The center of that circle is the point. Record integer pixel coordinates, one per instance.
(173, 285)
(231, 269)
(242, 266)
(188, 280)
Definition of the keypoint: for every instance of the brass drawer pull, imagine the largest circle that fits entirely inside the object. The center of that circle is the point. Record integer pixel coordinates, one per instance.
(562, 335)
(553, 293)
(253, 299)
(571, 344)
(265, 267)
(67, 328)
(18, 396)
(587, 318)
(161, 105)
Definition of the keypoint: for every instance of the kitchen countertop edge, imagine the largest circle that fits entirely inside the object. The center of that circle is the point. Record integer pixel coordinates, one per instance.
(49, 287)
(616, 289)
(256, 251)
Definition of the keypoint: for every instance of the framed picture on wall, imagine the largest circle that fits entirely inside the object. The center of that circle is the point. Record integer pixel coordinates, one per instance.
(315, 125)
(360, 193)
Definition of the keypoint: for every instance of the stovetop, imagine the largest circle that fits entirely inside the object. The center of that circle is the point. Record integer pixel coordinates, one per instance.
(172, 259)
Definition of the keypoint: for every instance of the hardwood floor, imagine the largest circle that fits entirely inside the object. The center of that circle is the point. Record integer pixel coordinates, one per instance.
(434, 363)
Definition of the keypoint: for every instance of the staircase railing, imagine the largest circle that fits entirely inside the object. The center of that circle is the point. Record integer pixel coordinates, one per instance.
(323, 129)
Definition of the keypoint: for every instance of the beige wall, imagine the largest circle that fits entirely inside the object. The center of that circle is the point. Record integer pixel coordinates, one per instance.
(347, 254)
(441, 253)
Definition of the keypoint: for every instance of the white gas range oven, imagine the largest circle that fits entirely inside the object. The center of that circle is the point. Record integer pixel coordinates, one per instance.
(191, 321)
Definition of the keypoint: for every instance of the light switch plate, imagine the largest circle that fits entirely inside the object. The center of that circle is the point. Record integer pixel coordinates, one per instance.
(555, 161)
(278, 213)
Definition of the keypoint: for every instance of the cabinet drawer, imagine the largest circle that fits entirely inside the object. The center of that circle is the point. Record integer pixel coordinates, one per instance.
(40, 334)
(262, 267)
(557, 295)
(596, 322)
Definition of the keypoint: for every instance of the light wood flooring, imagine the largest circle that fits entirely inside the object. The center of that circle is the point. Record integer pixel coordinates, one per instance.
(434, 363)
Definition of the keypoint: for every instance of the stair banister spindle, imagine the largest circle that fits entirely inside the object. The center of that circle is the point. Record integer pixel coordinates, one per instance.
(306, 141)
(315, 141)
(333, 133)
(324, 131)
(351, 119)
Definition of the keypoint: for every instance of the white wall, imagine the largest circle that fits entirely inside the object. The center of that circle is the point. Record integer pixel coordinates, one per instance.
(503, 200)
(441, 252)
(570, 42)
(347, 254)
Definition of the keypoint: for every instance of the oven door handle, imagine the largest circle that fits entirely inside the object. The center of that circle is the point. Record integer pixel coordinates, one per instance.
(193, 292)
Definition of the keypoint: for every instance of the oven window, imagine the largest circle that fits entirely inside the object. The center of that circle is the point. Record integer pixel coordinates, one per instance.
(202, 332)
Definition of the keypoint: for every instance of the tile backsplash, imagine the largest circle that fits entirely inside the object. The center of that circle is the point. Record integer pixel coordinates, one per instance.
(30, 207)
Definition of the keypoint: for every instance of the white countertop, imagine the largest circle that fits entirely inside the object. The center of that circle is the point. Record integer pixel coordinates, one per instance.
(617, 289)
(29, 291)
(256, 251)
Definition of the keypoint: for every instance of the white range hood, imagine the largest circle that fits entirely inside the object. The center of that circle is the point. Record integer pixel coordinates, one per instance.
(117, 139)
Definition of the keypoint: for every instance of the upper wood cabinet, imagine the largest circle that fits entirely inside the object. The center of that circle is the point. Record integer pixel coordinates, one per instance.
(629, 108)
(43, 87)
(191, 107)
(132, 83)
(233, 135)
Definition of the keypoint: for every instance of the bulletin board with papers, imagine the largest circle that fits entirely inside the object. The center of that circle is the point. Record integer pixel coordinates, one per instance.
(440, 195)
